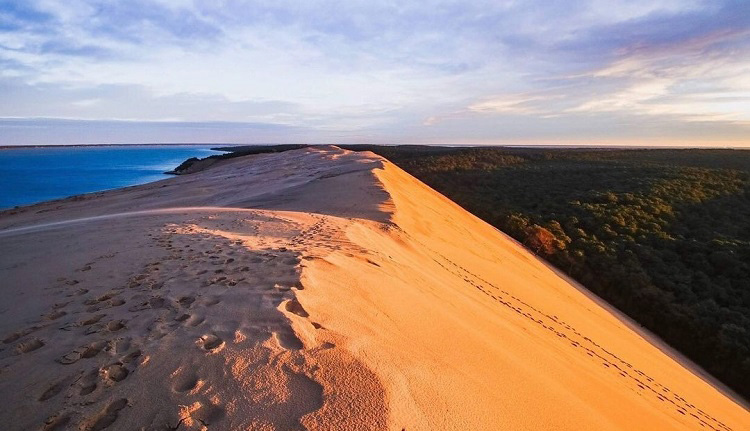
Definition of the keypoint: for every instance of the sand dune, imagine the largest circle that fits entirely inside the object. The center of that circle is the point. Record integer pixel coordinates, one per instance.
(315, 289)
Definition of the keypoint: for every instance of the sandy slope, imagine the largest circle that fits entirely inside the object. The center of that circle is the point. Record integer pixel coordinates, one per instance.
(316, 289)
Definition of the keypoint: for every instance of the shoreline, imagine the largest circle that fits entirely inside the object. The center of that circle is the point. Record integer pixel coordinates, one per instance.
(34, 175)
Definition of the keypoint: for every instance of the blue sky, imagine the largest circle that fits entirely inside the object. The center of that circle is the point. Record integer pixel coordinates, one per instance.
(634, 72)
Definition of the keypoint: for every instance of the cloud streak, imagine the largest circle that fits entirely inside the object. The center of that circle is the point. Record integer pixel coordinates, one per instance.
(422, 71)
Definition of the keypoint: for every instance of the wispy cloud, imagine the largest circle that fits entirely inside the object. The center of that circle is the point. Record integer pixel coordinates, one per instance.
(385, 71)
(699, 78)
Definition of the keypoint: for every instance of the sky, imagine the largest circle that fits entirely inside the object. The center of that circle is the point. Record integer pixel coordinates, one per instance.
(584, 72)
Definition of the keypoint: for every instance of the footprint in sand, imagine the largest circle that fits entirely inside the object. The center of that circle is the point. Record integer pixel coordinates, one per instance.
(185, 383)
(88, 382)
(18, 334)
(194, 320)
(52, 391)
(115, 372)
(29, 346)
(105, 297)
(106, 417)
(116, 302)
(87, 388)
(153, 303)
(11, 338)
(94, 329)
(206, 412)
(55, 315)
(211, 300)
(91, 320)
(56, 423)
(82, 352)
(210, 342)
(115, 325)
(130, 357)
(186, 301)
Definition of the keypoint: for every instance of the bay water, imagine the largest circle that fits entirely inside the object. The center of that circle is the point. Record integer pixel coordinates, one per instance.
(34, 174)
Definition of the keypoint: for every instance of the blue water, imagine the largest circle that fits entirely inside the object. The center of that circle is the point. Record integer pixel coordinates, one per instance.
(30, 175)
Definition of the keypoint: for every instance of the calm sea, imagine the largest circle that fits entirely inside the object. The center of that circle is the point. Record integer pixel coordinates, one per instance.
(30, 175)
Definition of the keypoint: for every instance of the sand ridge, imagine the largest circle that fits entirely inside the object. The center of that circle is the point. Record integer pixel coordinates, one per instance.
(315, 289)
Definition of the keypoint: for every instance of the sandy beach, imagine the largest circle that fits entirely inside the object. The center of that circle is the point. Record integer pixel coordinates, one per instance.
(315, 289)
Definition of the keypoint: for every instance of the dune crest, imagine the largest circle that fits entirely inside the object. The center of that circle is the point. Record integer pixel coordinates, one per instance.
(314, 289)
